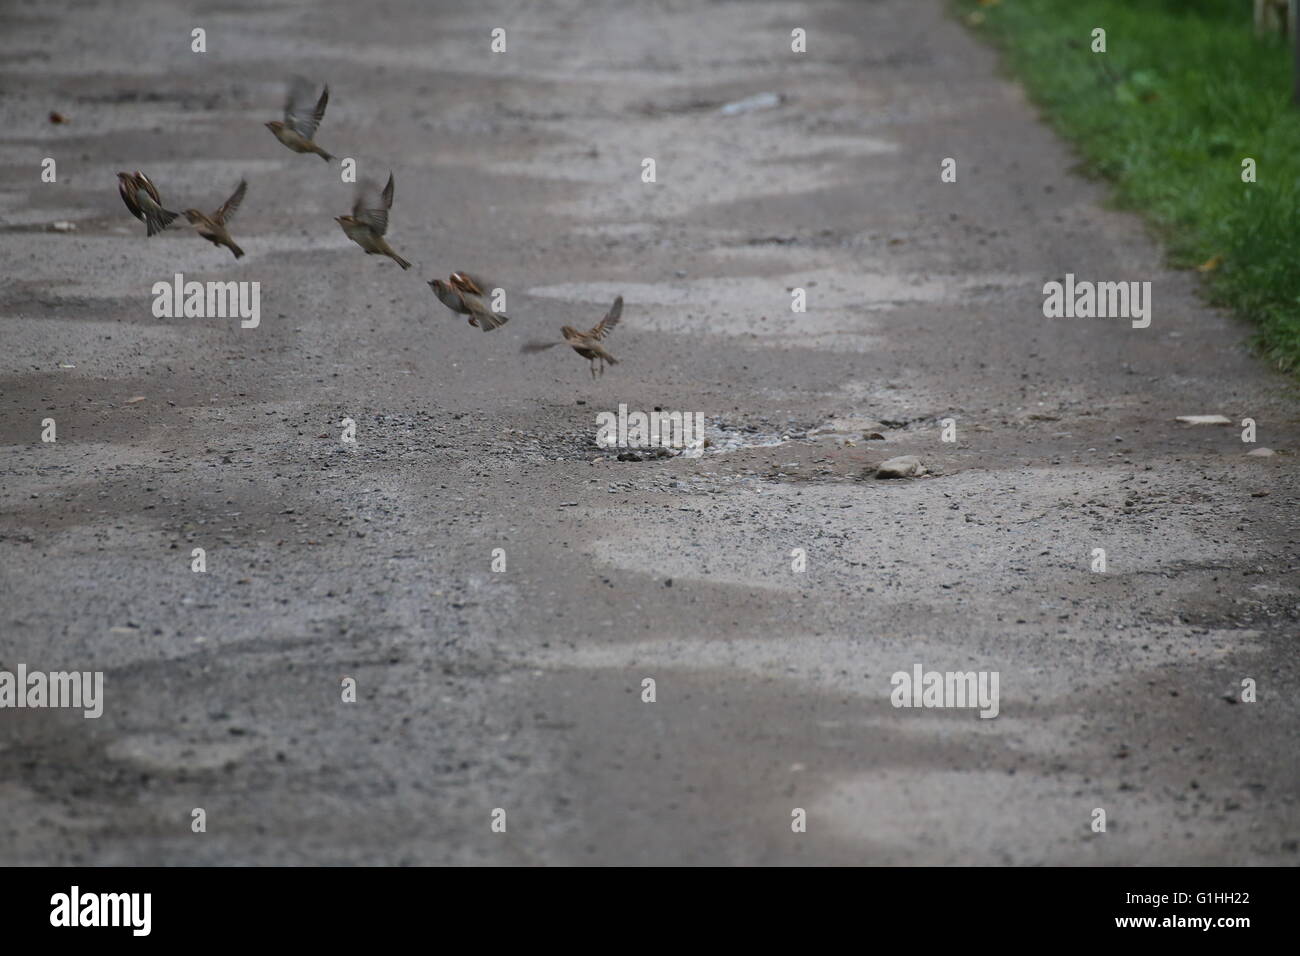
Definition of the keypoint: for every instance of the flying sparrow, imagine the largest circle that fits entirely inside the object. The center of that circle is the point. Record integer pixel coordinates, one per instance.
(587, 344)
(147, 205)
(464, 294)
(369, 221)
(301, 119)
(213, 228)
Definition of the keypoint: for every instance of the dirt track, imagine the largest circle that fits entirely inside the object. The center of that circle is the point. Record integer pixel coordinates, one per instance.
(522, 690)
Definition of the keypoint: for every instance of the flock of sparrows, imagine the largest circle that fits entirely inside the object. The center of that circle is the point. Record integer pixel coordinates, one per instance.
(366, 226)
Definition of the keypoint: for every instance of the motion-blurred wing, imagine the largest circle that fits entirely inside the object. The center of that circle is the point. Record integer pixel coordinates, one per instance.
(605, 325)
(231, 205)
(299, 114)
(369, 207)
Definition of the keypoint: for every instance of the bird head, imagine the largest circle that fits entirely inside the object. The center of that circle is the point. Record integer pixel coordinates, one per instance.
(274, 126)
(193, 215)
(569, 332)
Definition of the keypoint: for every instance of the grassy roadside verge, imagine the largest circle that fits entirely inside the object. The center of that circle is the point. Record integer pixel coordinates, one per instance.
(1183, 94)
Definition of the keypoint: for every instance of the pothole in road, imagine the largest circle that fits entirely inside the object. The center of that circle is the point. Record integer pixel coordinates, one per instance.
(720, 437)
(723, 437)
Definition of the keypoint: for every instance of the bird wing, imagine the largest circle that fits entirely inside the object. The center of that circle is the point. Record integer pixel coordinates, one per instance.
(371, 208)
(472, 284)
(605, 325)
(142, 180)
(155, 217)
(299, 114)
(151, 211)
(127, 188)
(231, 205)
(449, 297)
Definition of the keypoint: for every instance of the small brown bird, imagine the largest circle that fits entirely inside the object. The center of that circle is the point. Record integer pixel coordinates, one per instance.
(464, 293)
(301, 119)
(369, 221)
(147, 205)
(213, 228)
(587, 344)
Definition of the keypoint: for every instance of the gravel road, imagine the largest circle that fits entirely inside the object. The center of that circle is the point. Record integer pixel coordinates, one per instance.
(522, 690)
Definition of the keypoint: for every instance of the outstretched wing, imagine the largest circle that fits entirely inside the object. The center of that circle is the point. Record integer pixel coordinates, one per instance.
(299, 114)
(605, 325)
(231, 205)
(371, 207)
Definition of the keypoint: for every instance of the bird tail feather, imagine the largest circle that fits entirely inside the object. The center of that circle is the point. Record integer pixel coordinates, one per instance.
(159, 222)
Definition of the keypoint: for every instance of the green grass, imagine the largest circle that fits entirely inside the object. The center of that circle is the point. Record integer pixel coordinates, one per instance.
(1183, 94)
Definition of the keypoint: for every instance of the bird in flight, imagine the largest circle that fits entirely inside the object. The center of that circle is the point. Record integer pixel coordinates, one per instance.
(587, 344)
(369, 221)
(141, 197)
(463, 293)
(213, 228)
(301, 119)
